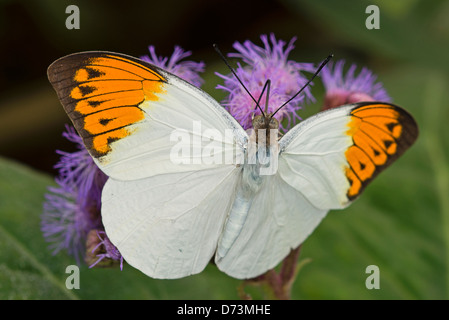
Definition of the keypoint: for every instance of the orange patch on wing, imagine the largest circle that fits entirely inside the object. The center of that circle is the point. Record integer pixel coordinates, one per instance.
(383, 139)
(105, 97)
(371, 148)
(102, 142)
(356, 184)
(150, 88)
(110, 100)
(120, 63)
(360, 163)
(111, 119)
(376, 111)
(104, 73)
(376, 131)
(96, 88)
(353, 126)
(392, 126)
(110, 125)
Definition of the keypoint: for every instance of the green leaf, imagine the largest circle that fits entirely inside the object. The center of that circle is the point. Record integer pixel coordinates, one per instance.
(26, 267)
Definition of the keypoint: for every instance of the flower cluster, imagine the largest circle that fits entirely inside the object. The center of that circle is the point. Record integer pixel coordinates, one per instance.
(263, 63)
(72, 210)
(187, 70)
(345, 89)
(71, 219)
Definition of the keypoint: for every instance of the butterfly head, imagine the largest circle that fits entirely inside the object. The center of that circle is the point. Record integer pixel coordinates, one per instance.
(265, 124)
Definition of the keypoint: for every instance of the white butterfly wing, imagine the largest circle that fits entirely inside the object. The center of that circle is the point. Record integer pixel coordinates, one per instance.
(172, 153)
(332, 156)
(324, 163)
(312, 158)
(168, 226)
(137, 120)
(279, 219)
(169, 149)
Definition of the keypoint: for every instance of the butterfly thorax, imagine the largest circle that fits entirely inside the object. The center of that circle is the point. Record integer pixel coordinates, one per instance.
(266, 129)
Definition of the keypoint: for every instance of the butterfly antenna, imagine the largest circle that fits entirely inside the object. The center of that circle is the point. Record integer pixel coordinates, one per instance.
(235, 75)
(268, 84)
(308, 82)
(265, 86)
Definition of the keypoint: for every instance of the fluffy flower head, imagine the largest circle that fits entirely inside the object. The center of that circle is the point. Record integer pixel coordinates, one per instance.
(187, 70)
(263, 63)
(73, 208)
(344, 89)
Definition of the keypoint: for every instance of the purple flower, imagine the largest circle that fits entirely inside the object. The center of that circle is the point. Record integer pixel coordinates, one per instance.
(263, 63)
(100, 250)
(187, 70)
(72, 209)
(63, 223)
(79, 172)
(344, 89)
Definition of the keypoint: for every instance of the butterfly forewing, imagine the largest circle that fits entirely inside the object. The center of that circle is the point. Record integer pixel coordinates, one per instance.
(130, 113)
(164, 217)
(380, 134)
(102, 94)
(338, 152)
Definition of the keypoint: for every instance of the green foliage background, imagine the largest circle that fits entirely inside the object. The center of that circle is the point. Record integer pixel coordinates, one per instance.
(401, 223)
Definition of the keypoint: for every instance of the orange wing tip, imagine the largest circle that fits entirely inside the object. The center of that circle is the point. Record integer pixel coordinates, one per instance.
(131, 65)
(151, 88)
(380, 134)
(103, 93)
(102, 143)
(355, 184)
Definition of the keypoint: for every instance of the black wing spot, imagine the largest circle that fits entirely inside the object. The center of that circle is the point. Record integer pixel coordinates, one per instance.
(94, 73)
(94, 103)
(85, 90)
(105, 122)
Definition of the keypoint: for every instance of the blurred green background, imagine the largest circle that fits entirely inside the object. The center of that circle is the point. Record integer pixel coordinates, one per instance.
(400, 224)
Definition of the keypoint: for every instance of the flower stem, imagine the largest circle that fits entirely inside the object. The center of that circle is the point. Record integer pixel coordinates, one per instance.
(277, 285)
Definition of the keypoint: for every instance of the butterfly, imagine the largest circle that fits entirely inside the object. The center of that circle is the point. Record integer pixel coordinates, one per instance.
(188, 184)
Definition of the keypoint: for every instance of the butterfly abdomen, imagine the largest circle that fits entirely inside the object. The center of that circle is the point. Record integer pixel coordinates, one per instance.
(250, 184)
(234, 223)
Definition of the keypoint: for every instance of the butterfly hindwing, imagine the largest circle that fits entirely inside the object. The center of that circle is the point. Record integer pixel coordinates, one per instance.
(279, 219)
(168, 226)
